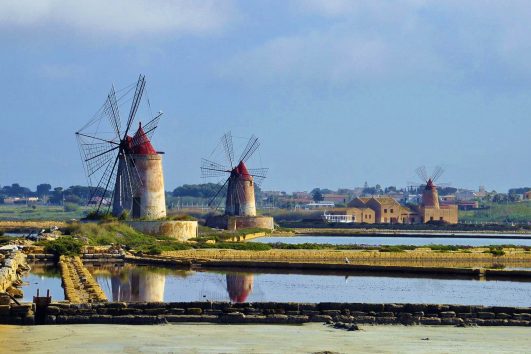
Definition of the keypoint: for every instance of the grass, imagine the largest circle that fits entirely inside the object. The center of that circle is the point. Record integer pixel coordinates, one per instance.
(39, 212)
(519, 212)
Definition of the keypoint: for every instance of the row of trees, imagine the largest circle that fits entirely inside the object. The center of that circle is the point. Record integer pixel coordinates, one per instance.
(44, 191)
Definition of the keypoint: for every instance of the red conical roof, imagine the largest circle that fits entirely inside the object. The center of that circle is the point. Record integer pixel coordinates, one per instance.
(241, 170)
(141, 144)
(430, 184)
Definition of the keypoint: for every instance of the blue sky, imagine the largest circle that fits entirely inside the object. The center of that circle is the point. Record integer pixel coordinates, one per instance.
(340, 92)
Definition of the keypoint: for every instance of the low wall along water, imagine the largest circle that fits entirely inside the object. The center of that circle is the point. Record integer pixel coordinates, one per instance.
(268, 313)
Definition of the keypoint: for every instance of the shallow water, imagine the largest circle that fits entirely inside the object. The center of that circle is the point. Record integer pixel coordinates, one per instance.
(43, 278)
(132, 283)
(393, 240)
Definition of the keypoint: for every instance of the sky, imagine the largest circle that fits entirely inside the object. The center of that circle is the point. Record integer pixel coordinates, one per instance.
(339, 92)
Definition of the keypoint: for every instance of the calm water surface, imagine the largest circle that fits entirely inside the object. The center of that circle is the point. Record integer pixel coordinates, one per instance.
(137, 283)
(43, 278)
(132, 283)
(393, 240)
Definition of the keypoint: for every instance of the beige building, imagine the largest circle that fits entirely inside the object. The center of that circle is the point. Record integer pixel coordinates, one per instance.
(357, 215)
(386, 209)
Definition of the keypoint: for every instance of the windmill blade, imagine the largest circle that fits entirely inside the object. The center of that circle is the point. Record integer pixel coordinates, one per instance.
(252, 145)
(228, 147)
(95, 153)
(437, 173)
(149, 129)
(113, 113)
(212, 169)
(129, 178)
(135, 103)
(259, 175)
(217, 194)
(421, 172)
(100, 191)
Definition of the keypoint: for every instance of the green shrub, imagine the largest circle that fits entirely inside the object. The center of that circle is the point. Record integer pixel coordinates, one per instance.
(496, 251)
(71, 207)
(241, 246)
(65, 245)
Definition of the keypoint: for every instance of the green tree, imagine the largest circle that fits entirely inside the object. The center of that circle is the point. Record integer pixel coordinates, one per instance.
(317, 195)
(43, 189)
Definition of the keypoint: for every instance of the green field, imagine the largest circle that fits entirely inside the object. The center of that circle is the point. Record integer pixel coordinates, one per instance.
(38, 212)
(519, 212)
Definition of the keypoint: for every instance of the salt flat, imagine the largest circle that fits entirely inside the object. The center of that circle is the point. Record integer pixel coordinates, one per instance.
(308, 338)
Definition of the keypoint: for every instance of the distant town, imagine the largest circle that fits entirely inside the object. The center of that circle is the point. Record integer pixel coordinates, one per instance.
(473, 205)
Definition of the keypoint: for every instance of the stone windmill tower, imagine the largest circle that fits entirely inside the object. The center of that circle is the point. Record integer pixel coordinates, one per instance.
(124, 171)
(237, 187)
(430, 196)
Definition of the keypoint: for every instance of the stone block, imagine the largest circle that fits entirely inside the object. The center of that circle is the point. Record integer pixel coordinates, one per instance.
(386, 320)
(255, 318)
(101, 319)
(4, 310)
(517, 323)
(503, 316)
(495, 322)
(343, 318)
(452, 321)
(331, 312)
(486, 315)
(430, 321)
(215, 312)
(334, 306)
(233, 317)
(50, 319)
(179, 311)
(53, 310)
(277, 319)
(116, 305)
(155, 311)
(385, 314)
(365, 319)
(466, 315)
(295, 319)
(394, 308)
(320, 318)
(194, 311)
(292, 313)
(447, 314)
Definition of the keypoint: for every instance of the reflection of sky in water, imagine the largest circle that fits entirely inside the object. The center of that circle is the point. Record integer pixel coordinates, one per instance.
(394, 240)
(43, 279)
(197, 286)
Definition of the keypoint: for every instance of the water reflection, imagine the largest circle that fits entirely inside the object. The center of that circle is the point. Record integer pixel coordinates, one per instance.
(239, 286)
(137, 285)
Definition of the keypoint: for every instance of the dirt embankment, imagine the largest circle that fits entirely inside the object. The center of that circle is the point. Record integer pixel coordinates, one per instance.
(419, 257)
(29, 225)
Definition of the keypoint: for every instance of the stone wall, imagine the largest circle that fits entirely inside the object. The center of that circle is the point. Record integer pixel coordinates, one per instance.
(10, 265)
(233, 223)
(180, 230)
(269, 313)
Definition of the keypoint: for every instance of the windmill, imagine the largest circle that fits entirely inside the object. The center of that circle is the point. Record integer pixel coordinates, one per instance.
(238, 181)
(430, 196)
(123, 171)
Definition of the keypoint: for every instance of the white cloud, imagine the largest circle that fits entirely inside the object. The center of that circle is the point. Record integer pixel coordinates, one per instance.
(123, 18)
(413, 40)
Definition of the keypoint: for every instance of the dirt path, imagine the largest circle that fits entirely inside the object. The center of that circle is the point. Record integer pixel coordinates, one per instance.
(310, 338)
